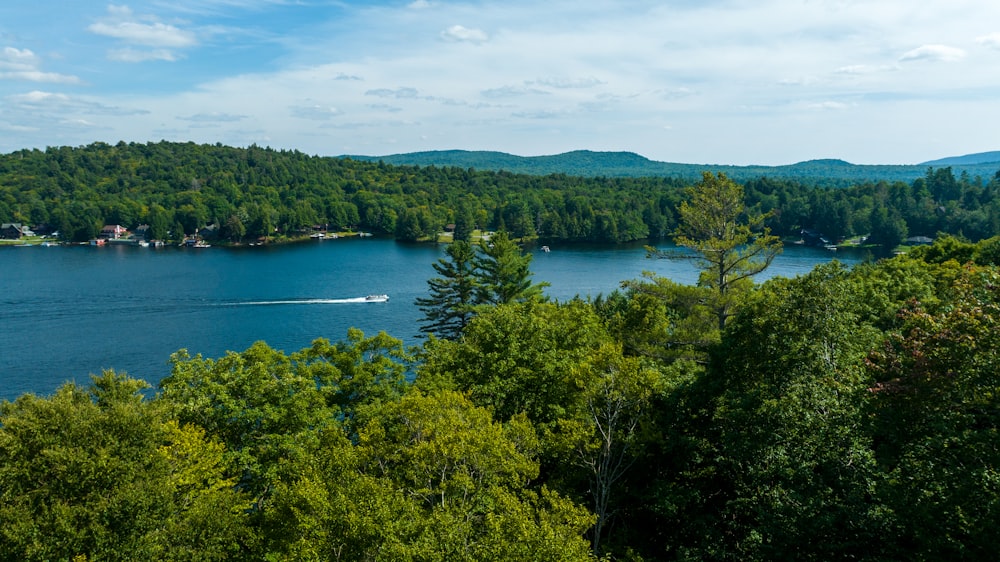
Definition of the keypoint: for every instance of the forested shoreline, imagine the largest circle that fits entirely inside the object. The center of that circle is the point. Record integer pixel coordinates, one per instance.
(246, 194)
(849, 413)
(843, 414)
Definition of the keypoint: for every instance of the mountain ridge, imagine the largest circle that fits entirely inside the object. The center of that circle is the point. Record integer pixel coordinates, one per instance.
(589, 163)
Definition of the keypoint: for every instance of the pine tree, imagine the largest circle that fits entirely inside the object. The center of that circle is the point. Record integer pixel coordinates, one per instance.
(450, 305)
(503, 272)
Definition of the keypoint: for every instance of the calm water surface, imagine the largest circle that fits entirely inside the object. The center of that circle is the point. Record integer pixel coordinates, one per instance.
(66, 312)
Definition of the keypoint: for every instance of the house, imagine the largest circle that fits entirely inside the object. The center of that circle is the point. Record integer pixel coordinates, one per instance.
(210, 231)
(813, 238)
(142, 231)
(14, 231)
(113, 231)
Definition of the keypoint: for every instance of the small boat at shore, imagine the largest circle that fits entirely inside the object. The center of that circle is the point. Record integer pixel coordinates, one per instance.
(377, 298)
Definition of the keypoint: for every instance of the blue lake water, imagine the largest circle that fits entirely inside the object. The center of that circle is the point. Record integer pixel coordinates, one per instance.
(67, 312)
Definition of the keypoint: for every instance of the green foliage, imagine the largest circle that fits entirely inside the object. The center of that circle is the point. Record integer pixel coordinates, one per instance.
(503, 273)
(938, 418)
(264, 405)
(731, 245)
(104, 474)
(518, 358)
(178, 188)
(431, 478)
(791, 420)
(665, 320)
(258, 192)
(449, 306)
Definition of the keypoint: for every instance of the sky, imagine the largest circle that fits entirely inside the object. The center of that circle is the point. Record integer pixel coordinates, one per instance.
(741, 82)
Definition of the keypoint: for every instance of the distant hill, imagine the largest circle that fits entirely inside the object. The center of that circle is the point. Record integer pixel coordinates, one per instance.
(827, 172)
(978, 158)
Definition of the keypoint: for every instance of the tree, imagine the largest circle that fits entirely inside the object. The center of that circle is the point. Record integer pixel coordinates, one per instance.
(503, 272)
(888, 229)
(518, 358)
(731, 244)
(428, 477)
(465, 222)
(100, 473)
(449, 307)
(264, 405)
(618, 394)
(937, 416)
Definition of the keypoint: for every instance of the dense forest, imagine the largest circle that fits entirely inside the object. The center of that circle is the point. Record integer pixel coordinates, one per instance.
(843, 414)
(849, 413)
(244, 195)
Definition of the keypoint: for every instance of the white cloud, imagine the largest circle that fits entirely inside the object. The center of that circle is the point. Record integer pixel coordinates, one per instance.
(17, 59)
(397, 93)
(134, 55)
(320, 112)
(142, 31)
(462, 33)
(23, 64)
(942, 53)
(148, 34)
(38, 100)
(419, 5)
(568, 83)
(37, 97)
(992, 40)
(829, 105)
(512, 92)
(213, 117)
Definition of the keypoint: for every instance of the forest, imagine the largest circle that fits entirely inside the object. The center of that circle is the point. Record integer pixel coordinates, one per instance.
(849, 413)
(251, 194)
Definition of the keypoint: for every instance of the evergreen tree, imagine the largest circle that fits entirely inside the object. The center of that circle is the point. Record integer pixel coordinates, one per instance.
(449, 307)
(465, 223)
(503, 273)
(731, 244)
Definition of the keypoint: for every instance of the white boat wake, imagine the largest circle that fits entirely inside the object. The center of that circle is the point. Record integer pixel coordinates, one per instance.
(305, 301)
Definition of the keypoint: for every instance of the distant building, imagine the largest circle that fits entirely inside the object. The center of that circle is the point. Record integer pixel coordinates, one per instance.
(113, 231)
(14, 231)
(813, 238)
(918, 240)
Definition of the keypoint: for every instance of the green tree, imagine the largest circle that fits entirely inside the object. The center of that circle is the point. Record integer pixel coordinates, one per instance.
(264, 405)
(732, 245)
(449, 306)
(465, 222)
(503, 272)
(606, 433)
(103, 474)
(518, 358)
(888, 229)
(937, 415)
(431, 477)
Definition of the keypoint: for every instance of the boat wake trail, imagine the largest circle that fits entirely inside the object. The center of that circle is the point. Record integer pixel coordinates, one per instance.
(298, 301)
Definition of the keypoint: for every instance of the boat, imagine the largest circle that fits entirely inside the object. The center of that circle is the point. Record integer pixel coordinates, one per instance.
(377, 298)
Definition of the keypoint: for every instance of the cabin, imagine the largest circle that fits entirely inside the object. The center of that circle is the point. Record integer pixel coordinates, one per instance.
(113, 231)
(210, 231)
(14, 231)
(813, 238)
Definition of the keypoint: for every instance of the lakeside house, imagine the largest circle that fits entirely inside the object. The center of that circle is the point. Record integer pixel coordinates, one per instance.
(14, 231)
(113, 232)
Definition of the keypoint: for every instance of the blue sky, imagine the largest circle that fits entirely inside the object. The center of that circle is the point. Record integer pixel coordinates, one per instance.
(708, 82)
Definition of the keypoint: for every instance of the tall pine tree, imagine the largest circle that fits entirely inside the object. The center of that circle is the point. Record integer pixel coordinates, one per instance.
(452, 295)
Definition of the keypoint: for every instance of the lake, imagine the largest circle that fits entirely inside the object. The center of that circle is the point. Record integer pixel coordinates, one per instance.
(70, 311)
